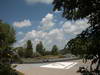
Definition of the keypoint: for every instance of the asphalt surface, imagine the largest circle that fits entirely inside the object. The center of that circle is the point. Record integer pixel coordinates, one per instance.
(36, 69)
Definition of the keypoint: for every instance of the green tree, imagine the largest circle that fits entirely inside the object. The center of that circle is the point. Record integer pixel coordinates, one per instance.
(29, 49)
(20, 51)
(80, 9)
(7, 38)
(40, 49)
(65, 50)
(54, 50)
(47, 52)
(77, 46)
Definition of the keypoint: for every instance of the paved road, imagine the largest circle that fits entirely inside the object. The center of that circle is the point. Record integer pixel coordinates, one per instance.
(36, 69)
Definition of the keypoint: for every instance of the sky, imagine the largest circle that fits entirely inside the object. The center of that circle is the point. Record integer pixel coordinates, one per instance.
(34, 20)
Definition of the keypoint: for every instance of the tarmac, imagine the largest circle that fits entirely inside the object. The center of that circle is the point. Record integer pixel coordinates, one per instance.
(32, 69)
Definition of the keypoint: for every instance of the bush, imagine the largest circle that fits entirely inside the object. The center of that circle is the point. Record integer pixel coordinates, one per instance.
(36, 54)
(61, 56)
(5, 69)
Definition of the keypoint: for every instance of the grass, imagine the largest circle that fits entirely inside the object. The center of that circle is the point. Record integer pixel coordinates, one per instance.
(41, 58)
(50, 57)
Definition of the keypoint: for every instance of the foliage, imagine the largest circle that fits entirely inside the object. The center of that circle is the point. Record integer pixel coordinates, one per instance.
(85, 71)
(7, 35)
(29, 49)
(47, 52)
(79, 9)
(40, 49)
(20, 73)
(20, 51)
(7, 38)
(36, 54)
(77, 46)
(76, 9)
(65, 50)
(54, 50)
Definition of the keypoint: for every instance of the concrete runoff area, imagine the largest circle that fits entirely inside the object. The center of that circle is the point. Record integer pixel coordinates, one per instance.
(55, 68)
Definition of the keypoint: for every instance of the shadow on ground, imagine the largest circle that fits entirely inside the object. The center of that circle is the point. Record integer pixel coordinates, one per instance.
(85, 71)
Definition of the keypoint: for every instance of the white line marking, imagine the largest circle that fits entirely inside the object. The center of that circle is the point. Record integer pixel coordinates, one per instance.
(60, 65)
(71, 65)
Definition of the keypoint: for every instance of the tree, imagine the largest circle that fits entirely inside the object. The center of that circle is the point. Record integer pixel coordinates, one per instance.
(80, 9)
(40, 49)
(47, 52)
(7, 38)
(65, 50)
(76, 9)
(77, 46)
(29, 49)
(20, 51)
(54, 50)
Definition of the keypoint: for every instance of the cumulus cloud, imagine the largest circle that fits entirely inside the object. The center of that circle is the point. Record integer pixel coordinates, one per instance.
(39, 1)
(47, 22)
(49, 39)
(75, 27)
(58, 36)
(24, 23)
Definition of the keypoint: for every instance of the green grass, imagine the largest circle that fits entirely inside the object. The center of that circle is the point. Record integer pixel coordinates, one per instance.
(52, 56)
(42, 58)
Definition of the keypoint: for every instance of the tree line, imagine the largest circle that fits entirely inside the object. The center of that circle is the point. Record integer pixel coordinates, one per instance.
(27, 51)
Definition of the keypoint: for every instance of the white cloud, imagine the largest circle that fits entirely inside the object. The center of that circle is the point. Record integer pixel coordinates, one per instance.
(49, 39)
(20, 33)
(24, 23)
(39, 1)
(58, 36)
(47, 22)
(75, 27)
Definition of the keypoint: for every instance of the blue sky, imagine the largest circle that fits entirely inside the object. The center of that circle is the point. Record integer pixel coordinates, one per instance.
(34, 20)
